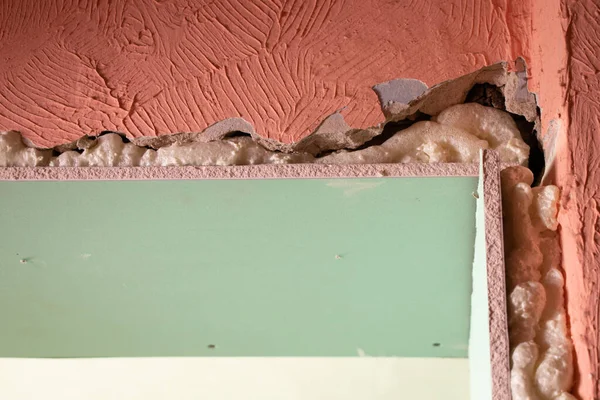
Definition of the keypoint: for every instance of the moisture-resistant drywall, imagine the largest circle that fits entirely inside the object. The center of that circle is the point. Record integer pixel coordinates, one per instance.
(363, 190)
(304, 267)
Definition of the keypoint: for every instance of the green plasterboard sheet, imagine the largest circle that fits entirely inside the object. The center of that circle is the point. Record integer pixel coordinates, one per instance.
(289, 267)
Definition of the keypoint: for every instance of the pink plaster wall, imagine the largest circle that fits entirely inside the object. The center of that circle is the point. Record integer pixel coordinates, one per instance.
(147, 67)
(575, 104)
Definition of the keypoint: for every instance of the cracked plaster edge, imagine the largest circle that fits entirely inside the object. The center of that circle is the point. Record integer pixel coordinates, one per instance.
(335, 134)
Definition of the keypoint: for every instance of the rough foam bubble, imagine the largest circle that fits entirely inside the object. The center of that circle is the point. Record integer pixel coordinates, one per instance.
(542, 352)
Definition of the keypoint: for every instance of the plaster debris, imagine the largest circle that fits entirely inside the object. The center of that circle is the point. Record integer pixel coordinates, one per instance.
(542, 351)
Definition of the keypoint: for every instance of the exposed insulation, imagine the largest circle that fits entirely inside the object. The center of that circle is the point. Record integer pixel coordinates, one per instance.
(463, 131)
(542, 351)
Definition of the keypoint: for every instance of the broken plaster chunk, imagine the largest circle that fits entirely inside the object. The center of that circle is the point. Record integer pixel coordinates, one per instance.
(14, 153)
(398, 93)
(490, 124)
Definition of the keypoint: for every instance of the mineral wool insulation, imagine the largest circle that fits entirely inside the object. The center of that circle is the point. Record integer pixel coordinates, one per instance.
(542, 361)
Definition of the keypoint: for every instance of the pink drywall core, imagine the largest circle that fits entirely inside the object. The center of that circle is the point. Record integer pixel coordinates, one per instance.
(145, 67)
(496, 283)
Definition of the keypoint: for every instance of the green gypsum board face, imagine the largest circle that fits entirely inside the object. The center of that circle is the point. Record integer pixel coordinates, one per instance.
(284, 267)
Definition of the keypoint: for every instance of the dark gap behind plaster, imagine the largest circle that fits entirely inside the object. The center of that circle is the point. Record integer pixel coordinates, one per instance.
(236, 134)
(485, 94)
(537, 163)
(124, 137)
(391, 128)
(491, 96)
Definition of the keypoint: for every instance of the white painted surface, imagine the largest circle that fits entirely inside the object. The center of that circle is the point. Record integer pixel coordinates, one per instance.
(362, 378)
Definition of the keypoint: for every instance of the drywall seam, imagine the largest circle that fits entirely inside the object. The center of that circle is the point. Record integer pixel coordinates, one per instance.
(494, 243)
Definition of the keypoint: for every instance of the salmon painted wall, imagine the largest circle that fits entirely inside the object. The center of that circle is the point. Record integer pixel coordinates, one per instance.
(147, 67)
(575, 105)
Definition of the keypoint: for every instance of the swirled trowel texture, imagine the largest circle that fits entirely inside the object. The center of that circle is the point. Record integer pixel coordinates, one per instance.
(144, 67)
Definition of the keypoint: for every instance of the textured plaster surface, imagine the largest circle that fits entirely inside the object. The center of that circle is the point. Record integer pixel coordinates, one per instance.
(577, 171)
(144, 67)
